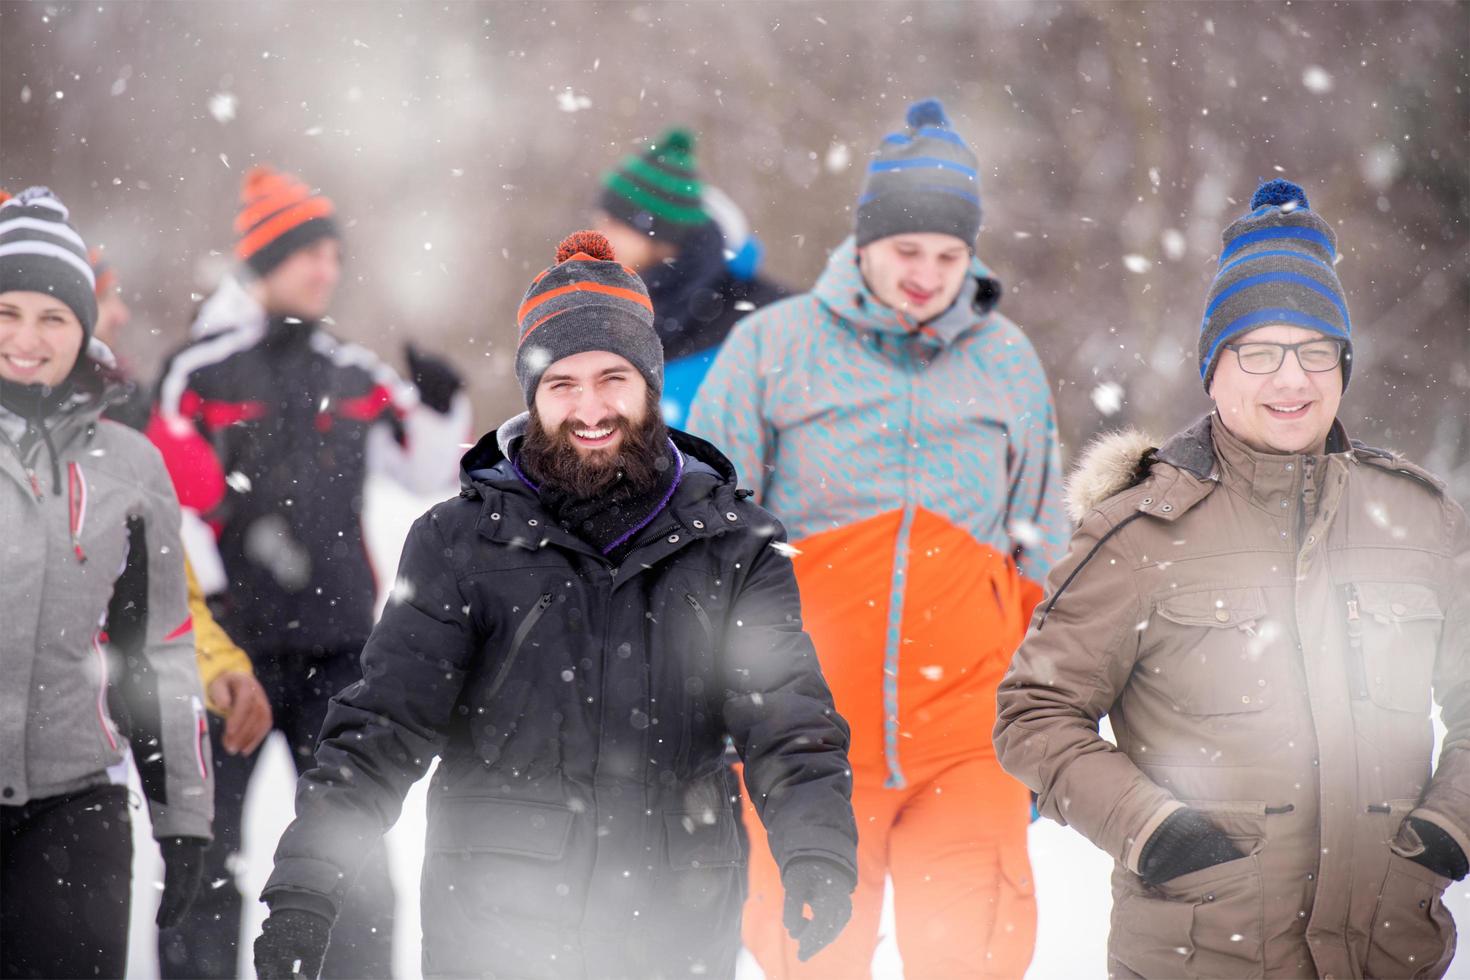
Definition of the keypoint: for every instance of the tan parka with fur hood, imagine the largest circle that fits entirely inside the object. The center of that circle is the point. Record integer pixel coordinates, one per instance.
(1264, 633)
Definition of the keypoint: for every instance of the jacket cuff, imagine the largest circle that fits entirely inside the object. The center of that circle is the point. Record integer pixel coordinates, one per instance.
(173, 821)
(282, 899)
(1135, 849)
(1447, 825)
(296, 875)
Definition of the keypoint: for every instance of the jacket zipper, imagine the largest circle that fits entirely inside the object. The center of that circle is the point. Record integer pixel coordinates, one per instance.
(76, 507)
(1357, 669)
(516, 641)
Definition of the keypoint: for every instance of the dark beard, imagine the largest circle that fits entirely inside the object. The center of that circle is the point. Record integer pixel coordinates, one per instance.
(552, 460)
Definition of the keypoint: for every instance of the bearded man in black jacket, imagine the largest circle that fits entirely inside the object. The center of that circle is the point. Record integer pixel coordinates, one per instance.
(574, 637)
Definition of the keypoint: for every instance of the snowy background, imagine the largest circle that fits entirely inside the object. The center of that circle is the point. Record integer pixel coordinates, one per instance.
(461, 141)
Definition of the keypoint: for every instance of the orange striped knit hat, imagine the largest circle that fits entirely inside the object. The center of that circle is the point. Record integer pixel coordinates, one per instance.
(278, 215)
(587, 301)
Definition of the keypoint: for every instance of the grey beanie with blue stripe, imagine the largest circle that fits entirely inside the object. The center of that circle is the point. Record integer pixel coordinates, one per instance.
(921, 180)
(1276, 267)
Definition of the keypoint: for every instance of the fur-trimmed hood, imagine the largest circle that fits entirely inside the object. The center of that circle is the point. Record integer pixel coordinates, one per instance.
(1110, 464)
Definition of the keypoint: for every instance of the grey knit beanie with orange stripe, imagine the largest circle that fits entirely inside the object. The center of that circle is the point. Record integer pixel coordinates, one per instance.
(586, 301)
(278, 215)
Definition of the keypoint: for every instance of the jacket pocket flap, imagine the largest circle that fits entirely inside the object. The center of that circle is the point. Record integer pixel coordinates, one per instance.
(537, 830)
(702, 839)
(1398, 602)
(1220, 608)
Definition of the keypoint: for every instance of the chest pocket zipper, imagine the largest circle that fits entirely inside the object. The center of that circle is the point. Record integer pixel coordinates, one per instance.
(703, 617)
(701, 700)
(519, 639)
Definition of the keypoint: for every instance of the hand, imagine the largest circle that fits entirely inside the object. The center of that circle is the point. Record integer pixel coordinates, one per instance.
(183, 869)
(246, 708)
(1428, 844)
(825, 886)
(1186, 841)
(436, 380)
(292, 944)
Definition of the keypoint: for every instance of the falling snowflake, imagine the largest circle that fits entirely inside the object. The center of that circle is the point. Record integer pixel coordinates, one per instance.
(569, 101)
(782, 548)
(1137, 264)
(1025, 533)
(239, 482)
(222, 106)
(839, 158)
(1173, 244)
(1316, 79)
(1107, 397)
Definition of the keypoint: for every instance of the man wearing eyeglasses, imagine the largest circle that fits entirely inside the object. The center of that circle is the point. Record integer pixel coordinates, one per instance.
(1264, 609)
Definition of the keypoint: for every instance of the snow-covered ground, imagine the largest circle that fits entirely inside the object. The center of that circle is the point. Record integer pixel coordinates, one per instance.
(1071, 875)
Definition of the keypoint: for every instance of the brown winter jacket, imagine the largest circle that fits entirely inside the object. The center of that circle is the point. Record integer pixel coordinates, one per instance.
(1263, 632)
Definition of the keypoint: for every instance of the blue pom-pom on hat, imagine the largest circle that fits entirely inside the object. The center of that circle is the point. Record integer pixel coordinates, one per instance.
(923, 179)
(928, 112)
(1277, 193)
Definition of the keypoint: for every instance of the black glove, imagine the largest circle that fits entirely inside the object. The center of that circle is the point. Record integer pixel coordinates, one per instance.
(1437, 850)
(437, 381)
(1186, 841)
(183, 870)
(292, 943)
(827, 887)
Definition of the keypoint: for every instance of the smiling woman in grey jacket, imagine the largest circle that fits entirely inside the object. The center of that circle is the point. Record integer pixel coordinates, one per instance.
(96, 644)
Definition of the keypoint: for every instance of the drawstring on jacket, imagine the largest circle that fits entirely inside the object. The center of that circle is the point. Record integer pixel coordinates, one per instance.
(76, 507)
(1083, 564)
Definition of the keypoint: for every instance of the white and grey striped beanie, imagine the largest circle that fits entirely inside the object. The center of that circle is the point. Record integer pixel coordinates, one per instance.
(40, 252)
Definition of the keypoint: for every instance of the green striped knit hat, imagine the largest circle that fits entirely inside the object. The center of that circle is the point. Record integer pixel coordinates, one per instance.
(657, 192)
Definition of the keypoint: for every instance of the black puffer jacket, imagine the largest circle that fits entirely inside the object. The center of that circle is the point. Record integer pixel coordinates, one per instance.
(580, 820)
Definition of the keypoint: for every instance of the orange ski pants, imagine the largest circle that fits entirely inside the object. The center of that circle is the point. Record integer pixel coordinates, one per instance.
(953, 838)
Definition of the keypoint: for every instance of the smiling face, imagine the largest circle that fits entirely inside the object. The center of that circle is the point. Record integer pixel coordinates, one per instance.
(1287, 411)
(919, 274)
(40, 338)
(593, 400)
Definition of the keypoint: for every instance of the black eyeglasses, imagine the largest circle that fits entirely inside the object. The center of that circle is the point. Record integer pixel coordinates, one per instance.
(1260, 357)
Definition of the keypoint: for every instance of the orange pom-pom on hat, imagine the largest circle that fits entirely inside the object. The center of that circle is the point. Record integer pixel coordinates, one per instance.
(585, 245)
(278, 215)
(586, 301)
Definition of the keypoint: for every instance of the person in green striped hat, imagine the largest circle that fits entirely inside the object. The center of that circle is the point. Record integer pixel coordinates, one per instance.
(684, 239)
(652, 200)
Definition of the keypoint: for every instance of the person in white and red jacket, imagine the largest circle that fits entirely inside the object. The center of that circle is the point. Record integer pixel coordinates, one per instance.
(270, 426)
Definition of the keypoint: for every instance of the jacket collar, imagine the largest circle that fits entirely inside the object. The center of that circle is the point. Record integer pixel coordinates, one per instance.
(702, 506)
(843, 291)
(1207, 454)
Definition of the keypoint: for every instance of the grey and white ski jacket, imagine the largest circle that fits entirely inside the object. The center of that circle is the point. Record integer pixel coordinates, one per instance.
(96, 640)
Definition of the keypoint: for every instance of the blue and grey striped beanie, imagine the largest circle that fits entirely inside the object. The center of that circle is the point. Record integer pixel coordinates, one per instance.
(1276, 267)
(921, 180)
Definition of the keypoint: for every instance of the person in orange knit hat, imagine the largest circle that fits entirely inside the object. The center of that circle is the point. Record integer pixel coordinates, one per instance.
(270, 425)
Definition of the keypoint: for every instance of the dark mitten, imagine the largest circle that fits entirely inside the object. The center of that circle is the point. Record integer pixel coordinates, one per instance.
(1186, 841)
(436, 380)
(826, 887)
(291, 944)
(183, 869)
(1438, 851)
